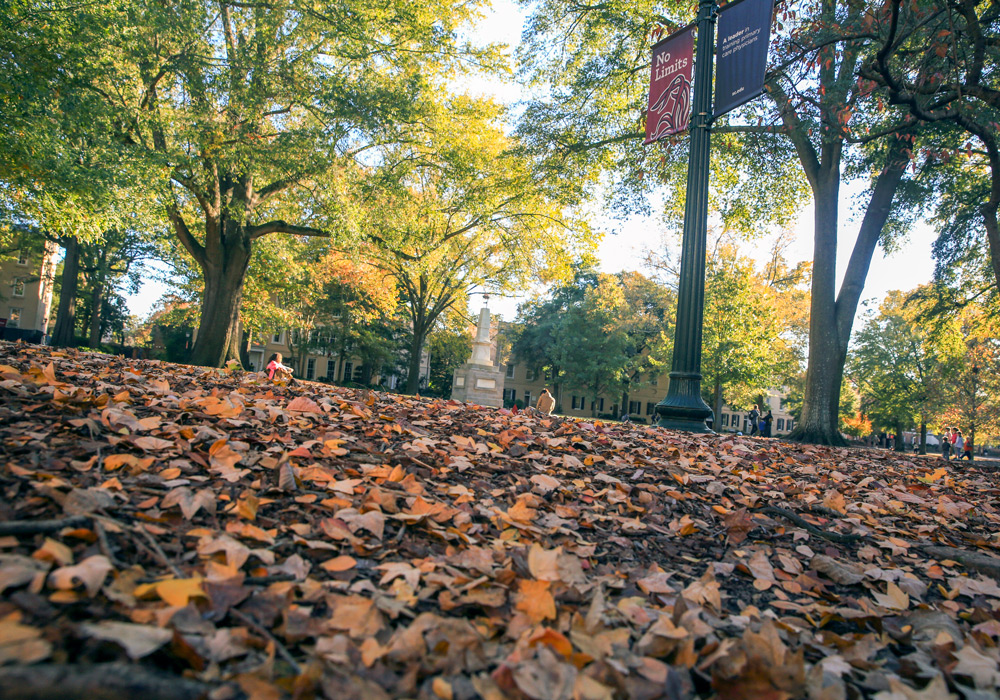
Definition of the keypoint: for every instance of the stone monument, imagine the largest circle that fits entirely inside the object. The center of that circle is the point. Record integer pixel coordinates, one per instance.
(479, 381)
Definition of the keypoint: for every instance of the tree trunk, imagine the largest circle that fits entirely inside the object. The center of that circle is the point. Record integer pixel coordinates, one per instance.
(96, 302)
(219, 327)
(717, 406)
(65, 329)
(832, 316)
(416, 349)
(923, 438)
(245, 339)
(898, 443)
(821, 403)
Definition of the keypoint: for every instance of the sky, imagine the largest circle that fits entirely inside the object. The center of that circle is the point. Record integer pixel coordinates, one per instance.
(624, 250)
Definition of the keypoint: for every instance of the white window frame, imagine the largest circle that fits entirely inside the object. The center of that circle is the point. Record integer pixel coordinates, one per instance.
(311, 368)
(510, 371)
(278, 338)
(18, 281)
(529, 375)
(23, 257)
(14, 317)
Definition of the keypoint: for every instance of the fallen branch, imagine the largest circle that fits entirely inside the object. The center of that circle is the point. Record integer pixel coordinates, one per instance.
(280, 648)
(983, 563)
(809, 527)
(35, 527)
(96, 682)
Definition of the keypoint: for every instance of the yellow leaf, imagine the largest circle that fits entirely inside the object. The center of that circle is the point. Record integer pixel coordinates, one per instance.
(535, 600)
(176, 591)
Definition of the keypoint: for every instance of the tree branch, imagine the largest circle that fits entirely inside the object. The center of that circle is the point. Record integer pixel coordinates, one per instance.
(279, 226)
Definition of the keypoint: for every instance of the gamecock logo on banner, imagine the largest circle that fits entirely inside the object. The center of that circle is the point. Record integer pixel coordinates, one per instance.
(670, 85)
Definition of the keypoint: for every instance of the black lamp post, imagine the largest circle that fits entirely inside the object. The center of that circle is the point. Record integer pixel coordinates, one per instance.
(683, 408)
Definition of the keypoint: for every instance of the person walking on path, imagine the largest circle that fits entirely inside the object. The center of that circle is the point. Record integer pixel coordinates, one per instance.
(958, 445)
(967, 450)
(768, 420)
(754, 420)
(946, 445)
(545, 403)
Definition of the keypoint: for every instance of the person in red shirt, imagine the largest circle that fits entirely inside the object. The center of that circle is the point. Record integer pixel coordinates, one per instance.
(276, 370)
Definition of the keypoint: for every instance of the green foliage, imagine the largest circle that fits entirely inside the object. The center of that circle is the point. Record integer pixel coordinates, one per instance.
(744, 351)
(449, 346)
(600, 335)
(239, 118)
(456, 210)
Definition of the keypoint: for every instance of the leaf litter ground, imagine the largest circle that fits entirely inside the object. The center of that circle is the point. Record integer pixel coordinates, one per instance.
(178, 532)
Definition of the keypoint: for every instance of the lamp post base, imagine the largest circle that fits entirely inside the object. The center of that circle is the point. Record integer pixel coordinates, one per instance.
(683, 408)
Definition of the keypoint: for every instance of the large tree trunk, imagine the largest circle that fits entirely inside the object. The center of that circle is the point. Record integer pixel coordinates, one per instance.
(923, 437)
(219, 328)
(832, 317)
(821, 403)
(64, 332)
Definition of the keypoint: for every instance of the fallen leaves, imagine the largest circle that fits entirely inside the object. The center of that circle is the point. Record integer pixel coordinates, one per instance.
(307, 540)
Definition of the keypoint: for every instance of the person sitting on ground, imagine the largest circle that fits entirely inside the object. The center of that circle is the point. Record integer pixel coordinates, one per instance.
(277, 371)
(545, 403)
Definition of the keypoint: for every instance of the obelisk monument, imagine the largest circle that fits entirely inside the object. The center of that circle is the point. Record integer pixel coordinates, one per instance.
(479, 381)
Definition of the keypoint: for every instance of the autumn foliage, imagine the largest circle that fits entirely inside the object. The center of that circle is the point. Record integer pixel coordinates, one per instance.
(245, 539)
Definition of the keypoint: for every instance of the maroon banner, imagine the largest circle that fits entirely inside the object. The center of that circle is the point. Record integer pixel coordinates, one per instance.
(670, 85)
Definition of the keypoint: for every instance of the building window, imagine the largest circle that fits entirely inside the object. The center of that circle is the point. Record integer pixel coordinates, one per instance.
(576, 403)
(788, 425)
(510, 371)
(781, 424)
(725, 419)
(510, 395)
(650, 408)
(276, 338)
(600, 404)
(634, 407)
(359, 373)
(529, 375)
(18, 287)
(348, 371)
(23, 258)
(14, 318)
(331, 369)
(310, 368)
(527, 398)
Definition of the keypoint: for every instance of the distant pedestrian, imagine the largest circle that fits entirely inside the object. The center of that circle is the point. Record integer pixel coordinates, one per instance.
(946, 445)
(754, 420)
(545, 403)
(768, 420)
(967, 450)
(959, 445)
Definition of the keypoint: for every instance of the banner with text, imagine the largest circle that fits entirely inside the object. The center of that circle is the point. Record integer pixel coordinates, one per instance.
(741, 52)
(670, 85)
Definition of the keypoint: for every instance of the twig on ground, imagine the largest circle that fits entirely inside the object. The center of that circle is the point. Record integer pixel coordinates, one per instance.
(261, 630)
(34, 527)
(983, 563)
(102, 540)
(79, 682)
(160, 554)
(809, 527)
